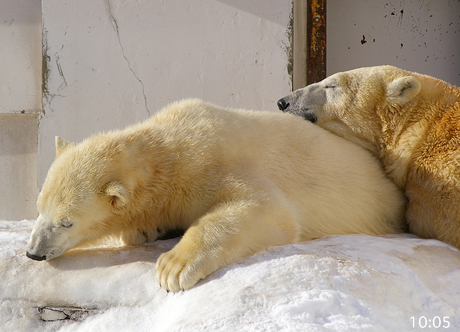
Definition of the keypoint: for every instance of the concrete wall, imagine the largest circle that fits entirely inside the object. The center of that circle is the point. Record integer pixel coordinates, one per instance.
(110, 63)
(18, 164)
(20, 56)
(20, 103)
(417, 35)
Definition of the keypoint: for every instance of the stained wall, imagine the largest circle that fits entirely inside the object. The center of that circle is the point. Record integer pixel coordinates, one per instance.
(417, 35)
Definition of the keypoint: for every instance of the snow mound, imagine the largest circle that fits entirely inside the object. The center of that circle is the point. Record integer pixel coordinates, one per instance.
(336, 283)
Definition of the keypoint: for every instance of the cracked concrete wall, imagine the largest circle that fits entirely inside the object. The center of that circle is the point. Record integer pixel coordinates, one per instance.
(111, 63)
(20, 102)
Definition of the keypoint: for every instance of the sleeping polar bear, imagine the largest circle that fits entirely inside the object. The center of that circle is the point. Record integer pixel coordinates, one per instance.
(411, 122)
(237, 181)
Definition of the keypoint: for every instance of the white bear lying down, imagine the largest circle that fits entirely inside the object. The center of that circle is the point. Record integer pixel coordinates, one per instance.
(411, 122)
(237, 181)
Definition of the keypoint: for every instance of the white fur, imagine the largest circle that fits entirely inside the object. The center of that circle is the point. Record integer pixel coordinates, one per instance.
(237, 181)
(412, 122)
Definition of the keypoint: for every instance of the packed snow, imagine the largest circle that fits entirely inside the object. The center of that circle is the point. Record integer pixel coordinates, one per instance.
(336, 283)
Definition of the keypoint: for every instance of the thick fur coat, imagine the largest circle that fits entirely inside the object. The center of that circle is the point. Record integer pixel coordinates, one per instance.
(412, 122)
(237, 181)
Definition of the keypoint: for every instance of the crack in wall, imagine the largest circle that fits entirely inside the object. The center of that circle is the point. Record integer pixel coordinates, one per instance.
(115, 27)
(47, 96)
(45, 70)
(61, 73)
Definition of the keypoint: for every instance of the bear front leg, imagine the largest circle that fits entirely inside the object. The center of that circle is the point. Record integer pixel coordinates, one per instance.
(226, 235)
(133, 238)
(138, 236)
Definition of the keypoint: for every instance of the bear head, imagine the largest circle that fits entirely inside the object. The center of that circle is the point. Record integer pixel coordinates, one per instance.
(75, 204)
(352, 104)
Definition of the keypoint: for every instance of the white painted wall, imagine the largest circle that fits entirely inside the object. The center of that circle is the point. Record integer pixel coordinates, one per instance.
(110, 63)
(18, 166)
(417, 35)
(20, 56)
(20, 102)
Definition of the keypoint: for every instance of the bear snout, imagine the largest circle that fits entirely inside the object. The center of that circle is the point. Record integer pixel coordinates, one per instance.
(35, 257)
(282, 104)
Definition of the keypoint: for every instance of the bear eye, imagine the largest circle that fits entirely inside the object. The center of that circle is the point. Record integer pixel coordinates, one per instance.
(66, 223)
(329, 86)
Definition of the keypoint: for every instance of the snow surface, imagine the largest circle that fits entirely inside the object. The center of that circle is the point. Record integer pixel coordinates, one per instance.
(336, 283)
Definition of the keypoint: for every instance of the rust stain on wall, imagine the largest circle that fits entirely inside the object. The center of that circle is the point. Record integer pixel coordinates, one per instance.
(316, 40)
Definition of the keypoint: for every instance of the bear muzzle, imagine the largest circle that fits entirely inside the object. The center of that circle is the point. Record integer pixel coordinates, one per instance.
(304, 112)
(282, 104)
(308, 115)
(35, 257)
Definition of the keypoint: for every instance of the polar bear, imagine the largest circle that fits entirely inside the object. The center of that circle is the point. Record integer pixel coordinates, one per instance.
(411, 122)
(237, 181)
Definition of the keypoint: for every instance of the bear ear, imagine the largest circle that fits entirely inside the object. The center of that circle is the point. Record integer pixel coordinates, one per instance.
(116, 194)
(403, 89)
(62, 145)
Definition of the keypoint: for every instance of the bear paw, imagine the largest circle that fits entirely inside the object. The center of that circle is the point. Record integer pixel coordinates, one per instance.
(179, 269)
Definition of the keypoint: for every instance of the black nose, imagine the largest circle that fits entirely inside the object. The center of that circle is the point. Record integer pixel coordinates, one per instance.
(35, 257)
(282, 104)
